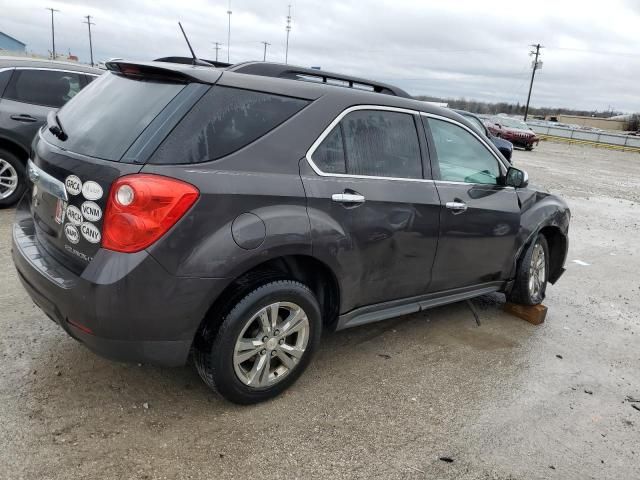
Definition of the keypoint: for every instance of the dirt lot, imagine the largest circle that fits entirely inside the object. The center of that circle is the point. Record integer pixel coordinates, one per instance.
(506, 400)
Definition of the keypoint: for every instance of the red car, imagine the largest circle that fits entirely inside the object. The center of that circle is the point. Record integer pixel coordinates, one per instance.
(516, 131)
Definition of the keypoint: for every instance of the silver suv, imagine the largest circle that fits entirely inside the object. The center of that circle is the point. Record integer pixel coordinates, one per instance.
(29, 89)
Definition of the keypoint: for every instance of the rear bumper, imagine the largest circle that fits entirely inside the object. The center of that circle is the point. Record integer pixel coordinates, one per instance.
(123, 306)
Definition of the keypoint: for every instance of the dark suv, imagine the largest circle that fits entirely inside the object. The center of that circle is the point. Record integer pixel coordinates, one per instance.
(29, 89)
(235, 214)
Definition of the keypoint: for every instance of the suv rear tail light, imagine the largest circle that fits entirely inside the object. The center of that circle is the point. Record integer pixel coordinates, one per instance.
(143, 207)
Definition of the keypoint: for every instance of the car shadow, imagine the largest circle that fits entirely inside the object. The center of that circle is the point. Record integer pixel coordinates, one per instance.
(65, 370)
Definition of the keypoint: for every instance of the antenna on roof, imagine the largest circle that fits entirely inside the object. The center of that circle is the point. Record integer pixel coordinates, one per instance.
(196, 61)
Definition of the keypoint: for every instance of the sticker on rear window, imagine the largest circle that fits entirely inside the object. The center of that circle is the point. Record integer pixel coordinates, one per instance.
(71, 233)
(73, 185)
(74, 215)
(91, 211)
(91, 190)
(90, 232)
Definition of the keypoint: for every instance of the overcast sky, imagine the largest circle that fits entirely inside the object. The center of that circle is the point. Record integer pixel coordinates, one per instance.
(464, 48)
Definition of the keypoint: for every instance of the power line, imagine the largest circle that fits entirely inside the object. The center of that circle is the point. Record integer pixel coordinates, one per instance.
(89, 23)
(535, 66)
(53, 33)
(264, 57)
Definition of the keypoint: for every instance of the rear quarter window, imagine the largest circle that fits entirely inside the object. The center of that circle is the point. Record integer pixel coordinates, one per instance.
(225, 120)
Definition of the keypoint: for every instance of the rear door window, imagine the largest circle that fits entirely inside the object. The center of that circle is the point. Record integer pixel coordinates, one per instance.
(329, 156)
(223, 121)
(50, 88)
(376, 143)
(110, 113)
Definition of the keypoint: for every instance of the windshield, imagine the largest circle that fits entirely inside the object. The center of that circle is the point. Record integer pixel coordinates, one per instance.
(106, 117)
(511, 122)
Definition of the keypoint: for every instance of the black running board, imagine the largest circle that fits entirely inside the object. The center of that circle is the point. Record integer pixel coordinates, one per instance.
(406, 306)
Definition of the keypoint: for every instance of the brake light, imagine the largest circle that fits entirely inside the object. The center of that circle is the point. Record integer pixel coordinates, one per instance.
(143, 207)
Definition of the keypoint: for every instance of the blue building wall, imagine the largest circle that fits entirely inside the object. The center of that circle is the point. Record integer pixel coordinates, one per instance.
(10, 43)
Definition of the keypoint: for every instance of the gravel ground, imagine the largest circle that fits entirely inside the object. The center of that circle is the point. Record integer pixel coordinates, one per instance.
(507, 400)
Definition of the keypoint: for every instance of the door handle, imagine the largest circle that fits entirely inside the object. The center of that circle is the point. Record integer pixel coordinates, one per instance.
(347, 198)
(457, 207)
(24, 118)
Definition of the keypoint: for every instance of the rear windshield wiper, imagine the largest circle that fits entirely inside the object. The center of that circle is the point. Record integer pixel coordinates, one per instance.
(55, 126)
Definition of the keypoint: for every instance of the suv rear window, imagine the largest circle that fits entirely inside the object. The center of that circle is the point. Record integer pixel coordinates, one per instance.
(223, 121)
(110, 113)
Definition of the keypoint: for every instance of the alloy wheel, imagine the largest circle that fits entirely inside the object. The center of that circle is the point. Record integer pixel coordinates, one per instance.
(8, 179)
(537, 271)
(271, 344)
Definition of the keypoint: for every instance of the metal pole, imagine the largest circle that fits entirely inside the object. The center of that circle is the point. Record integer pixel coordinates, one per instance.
(217, 47)
(229, 34)
(89, 23)
(533, 74)
(264, 56)
(286, 52)
(53, 33)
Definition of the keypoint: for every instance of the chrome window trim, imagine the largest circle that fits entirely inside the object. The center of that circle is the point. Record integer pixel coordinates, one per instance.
(503, 167)
(337, 120)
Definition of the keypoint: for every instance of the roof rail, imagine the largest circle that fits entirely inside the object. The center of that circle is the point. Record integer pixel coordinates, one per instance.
(280, 70)
(189, 61)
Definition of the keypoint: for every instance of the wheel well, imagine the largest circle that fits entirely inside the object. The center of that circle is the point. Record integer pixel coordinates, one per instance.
(305, 269)
(557, 243)
(14, 148)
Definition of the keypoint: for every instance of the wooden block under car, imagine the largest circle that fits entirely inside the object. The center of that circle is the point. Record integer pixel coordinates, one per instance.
(534, 314)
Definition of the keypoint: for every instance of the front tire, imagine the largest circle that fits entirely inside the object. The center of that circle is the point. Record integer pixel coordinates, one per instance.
(533, 272)
(12, 178)
(264, 343)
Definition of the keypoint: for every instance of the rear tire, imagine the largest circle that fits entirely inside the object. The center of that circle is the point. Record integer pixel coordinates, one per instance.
(13, 181)
(264, 343)
(528, 149)
(531, 277)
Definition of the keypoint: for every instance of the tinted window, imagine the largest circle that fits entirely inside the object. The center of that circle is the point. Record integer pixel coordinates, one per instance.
(50, 88)
(461, 156)
(223, 121)
(381, 143)
(4, 80)
(329, 156)
(106, 118)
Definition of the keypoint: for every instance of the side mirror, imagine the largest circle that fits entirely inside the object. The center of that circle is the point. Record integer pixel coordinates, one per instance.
(517, 178)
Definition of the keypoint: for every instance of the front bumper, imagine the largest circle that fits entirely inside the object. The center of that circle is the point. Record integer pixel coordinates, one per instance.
(125, 307)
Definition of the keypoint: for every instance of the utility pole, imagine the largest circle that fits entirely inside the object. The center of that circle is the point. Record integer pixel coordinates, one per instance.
(53, 33)
(89, 23)
(286, 52)
(217, 49)
(229, 12)
(264, 57)
(535, 66)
